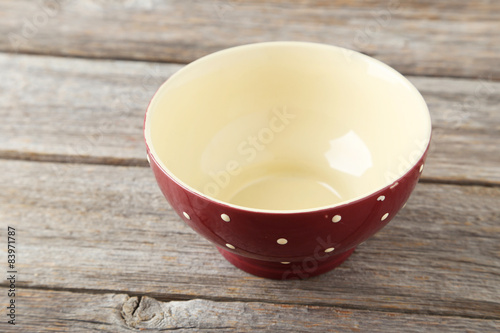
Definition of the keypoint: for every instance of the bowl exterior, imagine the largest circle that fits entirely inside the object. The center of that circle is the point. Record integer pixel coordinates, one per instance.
(314, 241)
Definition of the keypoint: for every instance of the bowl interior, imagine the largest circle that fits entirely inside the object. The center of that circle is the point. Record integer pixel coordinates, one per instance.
(287, 126)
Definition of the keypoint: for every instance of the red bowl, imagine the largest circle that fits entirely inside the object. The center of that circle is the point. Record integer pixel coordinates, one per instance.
(287, 155)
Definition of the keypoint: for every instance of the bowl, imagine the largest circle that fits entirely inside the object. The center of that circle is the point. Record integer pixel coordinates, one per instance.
(287, 155)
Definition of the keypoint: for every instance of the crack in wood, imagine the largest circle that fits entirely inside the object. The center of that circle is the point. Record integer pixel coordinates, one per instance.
(148, 313)
(89, 321)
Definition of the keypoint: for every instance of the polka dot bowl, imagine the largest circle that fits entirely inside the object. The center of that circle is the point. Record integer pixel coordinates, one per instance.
(287, 155)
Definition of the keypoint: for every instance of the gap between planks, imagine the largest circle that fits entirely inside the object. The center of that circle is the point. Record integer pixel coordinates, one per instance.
(173, 297)
(174, 61)
(73, 159)
(137, 162)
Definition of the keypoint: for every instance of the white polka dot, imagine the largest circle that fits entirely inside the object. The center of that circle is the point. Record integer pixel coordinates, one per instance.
(186, 215)
(336, 218)
(384, 217)
(230, 246)
(282, 241)
(381, 198)
(285, 262)
(147, 157)
(225, 217)
(394, 185)
(330, 249)
(421, 168)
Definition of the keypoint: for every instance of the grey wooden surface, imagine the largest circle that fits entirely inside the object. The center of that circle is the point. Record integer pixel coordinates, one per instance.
(431, 38)
(101, 250)
(109, 312)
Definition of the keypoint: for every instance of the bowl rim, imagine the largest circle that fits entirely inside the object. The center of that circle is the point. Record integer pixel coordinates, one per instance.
(151, 153)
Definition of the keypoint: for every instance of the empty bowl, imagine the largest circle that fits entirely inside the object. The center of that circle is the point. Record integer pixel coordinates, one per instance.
(287, 155)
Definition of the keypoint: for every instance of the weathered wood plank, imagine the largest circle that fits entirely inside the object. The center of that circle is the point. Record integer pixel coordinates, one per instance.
(108, 228)
(421, 38)
(76, 107)
(61, 311)
(466, 129)
(92, 111)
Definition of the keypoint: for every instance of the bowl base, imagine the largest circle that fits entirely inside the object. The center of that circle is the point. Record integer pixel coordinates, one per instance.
(304, 269)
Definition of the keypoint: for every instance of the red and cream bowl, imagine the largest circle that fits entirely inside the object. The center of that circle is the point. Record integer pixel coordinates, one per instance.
(287, 155)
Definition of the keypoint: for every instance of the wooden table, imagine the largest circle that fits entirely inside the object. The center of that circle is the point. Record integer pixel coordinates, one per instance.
(99, 249)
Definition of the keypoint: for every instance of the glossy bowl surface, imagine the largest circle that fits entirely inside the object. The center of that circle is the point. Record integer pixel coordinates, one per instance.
(287, 155)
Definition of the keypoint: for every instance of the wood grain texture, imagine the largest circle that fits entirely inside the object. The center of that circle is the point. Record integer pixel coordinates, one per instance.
(420, 38)
(83, 312)
(108, 229)
(99, 248)
(89, 111)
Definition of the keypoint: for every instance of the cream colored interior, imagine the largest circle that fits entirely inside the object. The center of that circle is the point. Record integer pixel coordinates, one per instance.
(287, 126)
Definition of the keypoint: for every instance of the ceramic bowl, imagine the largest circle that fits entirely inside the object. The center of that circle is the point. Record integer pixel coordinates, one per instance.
(287, 155)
